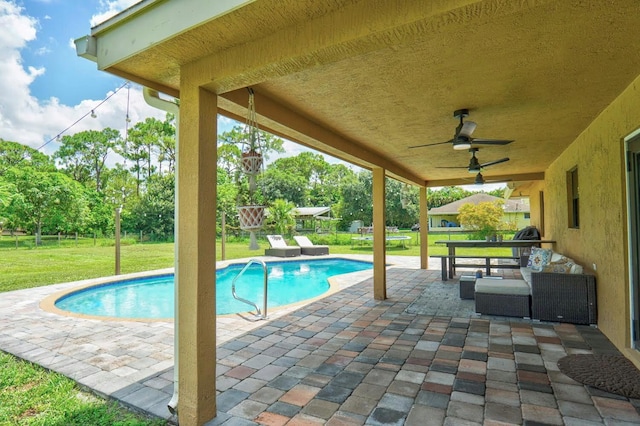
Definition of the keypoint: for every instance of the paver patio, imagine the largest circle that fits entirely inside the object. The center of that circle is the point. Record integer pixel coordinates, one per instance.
(420, 357)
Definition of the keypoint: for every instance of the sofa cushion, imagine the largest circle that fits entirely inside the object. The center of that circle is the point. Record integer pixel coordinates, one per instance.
(493, 286)
(539, 259)
(526, 274)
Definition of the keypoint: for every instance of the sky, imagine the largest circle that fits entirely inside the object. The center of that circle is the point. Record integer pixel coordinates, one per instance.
(46, 90)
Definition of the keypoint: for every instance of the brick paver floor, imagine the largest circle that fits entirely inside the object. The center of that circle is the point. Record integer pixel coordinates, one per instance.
(420, 357)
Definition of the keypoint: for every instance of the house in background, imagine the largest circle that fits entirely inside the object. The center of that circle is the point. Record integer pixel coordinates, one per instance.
(313, 219)
(516, 213)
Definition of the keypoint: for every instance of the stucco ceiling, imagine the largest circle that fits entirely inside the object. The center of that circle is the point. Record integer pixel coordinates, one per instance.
(365, 80)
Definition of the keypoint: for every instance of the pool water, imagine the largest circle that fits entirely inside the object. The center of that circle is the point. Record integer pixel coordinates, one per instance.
(153, 297)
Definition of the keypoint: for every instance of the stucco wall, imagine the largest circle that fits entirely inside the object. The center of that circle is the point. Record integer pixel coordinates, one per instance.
(598, 153)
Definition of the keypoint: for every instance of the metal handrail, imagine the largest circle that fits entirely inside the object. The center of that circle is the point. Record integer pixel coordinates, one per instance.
(262, 313)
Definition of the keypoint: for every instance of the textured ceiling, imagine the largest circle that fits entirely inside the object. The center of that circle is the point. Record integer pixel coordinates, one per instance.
(364, 80)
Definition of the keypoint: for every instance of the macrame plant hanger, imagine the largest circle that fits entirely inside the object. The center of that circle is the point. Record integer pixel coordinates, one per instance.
(251, 216)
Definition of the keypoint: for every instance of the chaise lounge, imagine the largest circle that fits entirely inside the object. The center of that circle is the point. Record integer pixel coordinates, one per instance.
(279, 247)
(309, 248)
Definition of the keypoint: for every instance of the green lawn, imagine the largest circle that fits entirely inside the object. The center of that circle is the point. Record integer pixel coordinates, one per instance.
(31, 395)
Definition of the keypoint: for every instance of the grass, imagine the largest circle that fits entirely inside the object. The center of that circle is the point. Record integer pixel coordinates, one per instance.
(31, 395)
(27, 267)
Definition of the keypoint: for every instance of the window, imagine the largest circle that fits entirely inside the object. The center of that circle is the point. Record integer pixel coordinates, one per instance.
(527, 215)
(573, 195)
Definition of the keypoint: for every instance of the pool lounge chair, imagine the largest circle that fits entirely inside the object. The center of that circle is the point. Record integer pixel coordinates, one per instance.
(280, 248)
(309, 248)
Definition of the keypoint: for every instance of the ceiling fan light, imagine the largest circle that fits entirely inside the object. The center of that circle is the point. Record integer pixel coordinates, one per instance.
(479, 179)
(461, 144)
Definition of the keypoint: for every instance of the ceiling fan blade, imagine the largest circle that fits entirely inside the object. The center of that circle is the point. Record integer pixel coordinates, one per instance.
(431, 144)
(450, 167)
(467, 128)
(491, 163)
(490, 141)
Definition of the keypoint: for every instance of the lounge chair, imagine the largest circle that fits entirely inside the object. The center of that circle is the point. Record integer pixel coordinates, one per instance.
(309, 248)
(280, 248)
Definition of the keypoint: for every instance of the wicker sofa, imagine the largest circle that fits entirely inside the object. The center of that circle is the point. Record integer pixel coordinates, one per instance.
(561, 297)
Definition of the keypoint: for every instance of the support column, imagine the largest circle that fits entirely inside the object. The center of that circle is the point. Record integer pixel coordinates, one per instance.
(424, 229)
(196, 259)
(379, 234)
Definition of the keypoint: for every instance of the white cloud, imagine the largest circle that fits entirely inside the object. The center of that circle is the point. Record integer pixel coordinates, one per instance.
(27, 120)
(110, 8)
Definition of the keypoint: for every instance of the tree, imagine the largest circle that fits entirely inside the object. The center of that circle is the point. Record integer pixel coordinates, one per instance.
(13, 154)
(484, 218)
(445, 195)
(287, 184)
(357, 204)
(83, 155)
(281, 215)
(144, 139)
(155, 211)
(167, 145)
(45, 200)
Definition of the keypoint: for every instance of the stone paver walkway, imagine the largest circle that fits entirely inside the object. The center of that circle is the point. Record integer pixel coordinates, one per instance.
(420, 357)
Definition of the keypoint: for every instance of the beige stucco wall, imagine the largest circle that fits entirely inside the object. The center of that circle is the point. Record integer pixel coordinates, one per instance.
(598, 154)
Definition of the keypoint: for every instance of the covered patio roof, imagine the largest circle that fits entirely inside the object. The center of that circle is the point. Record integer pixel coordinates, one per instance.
(364, 81)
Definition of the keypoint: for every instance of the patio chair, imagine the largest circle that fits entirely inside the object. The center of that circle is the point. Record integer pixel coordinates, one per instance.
(309, 248)
(280, 248)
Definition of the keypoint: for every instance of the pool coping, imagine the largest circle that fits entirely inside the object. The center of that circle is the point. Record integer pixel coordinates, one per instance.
(48, 304)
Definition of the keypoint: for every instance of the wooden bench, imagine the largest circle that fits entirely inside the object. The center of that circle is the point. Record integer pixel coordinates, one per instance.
(449, 263)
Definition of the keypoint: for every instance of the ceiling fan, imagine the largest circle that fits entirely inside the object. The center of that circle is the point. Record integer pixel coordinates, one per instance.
(462, 138)
(479, 180)
(474, 165)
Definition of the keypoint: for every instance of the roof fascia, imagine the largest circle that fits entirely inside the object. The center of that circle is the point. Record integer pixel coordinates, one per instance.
(149, 23)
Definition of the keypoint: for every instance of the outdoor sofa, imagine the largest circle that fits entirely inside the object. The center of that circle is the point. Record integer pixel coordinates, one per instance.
(559, 291)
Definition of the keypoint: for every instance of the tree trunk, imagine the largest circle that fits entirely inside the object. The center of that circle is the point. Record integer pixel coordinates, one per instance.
(39, 234)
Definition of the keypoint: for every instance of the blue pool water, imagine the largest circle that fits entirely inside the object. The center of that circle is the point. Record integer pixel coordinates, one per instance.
(153, 297)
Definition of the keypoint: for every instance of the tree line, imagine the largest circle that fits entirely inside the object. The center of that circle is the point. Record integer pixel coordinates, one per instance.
(76, 190)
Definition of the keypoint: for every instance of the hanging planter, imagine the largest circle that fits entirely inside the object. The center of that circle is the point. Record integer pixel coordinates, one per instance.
(251, 218)
(251, 162)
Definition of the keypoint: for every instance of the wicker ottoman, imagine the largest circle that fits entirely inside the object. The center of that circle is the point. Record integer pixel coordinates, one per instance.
(511, 298)
(467, 286)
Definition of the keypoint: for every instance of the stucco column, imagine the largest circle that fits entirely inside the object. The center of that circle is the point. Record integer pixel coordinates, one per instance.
(379, 234)
(424, 229)
(196, 316)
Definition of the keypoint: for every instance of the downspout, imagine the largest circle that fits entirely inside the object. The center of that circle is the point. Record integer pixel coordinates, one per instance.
(152, 98)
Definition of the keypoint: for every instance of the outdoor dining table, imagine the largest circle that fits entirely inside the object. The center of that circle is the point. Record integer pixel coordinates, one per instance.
(452, 245)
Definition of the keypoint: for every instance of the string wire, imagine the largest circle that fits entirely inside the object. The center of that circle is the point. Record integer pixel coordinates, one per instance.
(82, 118)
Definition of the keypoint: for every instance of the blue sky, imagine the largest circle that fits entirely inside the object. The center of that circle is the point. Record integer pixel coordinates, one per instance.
(67, 77)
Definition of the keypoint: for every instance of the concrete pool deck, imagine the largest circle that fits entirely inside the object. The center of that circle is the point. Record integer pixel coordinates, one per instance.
(420, 357)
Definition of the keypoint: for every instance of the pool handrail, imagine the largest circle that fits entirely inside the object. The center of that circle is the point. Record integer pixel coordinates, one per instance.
(262, 313)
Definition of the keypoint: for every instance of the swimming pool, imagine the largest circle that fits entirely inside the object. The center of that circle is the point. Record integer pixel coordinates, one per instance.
(153, 297)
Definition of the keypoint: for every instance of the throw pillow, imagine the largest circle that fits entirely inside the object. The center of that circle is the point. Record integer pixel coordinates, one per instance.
(539, 259)
(557, 267)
